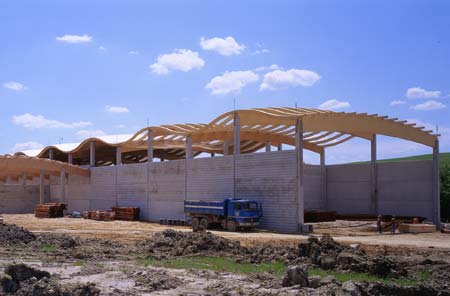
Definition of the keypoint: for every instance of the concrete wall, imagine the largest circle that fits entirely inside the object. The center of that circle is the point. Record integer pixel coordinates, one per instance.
(19, 199)
(348, 188)
(159, 189)
(271, 179)
(404, 188)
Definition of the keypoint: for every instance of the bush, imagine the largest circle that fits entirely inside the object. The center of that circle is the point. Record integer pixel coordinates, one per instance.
(445, 192)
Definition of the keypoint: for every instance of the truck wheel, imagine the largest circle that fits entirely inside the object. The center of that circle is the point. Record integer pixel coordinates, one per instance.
(195, 224)
(204, 222)
(231, 226)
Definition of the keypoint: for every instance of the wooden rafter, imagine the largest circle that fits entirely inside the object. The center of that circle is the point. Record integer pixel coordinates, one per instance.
(258, 126)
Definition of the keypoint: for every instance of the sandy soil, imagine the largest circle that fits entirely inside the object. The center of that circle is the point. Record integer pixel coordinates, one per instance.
(351, 232)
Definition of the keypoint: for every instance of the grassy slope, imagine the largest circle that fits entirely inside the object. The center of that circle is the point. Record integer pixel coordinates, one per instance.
(443, 157)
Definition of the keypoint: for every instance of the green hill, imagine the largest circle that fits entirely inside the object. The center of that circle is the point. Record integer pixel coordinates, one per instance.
(444, 158)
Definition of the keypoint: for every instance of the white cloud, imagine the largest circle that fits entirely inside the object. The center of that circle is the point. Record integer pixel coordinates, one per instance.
(224, 46)
(101, 48)
(133, 52)
(265, 68)
(27, 146)
(397, 102)
(279, 79)
(261, 51)
(119, 126)
(420, 93)
(38, 121)
(13, 85)
(334, 105)
(181, 59)
(428, 106)
(116, 109)
(231, 82)
(75, 38)
(84, 134)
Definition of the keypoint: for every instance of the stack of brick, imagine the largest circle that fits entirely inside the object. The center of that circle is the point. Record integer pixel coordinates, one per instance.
(50, 210)
(126, 213)
(99, 215)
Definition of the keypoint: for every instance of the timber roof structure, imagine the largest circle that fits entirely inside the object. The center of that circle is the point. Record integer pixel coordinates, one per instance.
(13, 166)
(321, 129)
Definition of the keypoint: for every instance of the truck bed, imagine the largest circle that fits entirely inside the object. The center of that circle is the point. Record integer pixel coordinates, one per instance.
(204, 207)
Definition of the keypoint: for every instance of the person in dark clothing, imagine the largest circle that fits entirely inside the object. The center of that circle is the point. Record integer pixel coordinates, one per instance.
(379, 230)
(393, 226)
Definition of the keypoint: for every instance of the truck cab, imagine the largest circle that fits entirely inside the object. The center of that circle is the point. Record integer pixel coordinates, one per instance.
(242, 213)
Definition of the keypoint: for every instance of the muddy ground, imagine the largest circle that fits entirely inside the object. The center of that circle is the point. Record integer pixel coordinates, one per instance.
(61, 264)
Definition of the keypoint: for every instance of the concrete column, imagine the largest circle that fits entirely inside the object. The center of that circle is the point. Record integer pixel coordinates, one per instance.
(188, 149)
(92, 153)
(436, 191)
(374, 177)
(118, 156)
(51, 154)
(280, 147)
(63, 185)
(322, 157)
(237, 134)
(41, 187)
(268, 148)
(226, 147)
(149, 146)
(300, 192)
(70, 158)
(324, 182)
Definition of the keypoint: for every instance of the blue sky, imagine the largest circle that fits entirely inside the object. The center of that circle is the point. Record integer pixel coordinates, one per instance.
(71, 69)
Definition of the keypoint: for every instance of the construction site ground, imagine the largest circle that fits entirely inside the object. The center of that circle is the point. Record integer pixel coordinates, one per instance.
(76, 256)
(349, 232)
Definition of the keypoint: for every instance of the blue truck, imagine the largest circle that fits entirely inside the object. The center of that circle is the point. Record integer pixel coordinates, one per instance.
(232, 214)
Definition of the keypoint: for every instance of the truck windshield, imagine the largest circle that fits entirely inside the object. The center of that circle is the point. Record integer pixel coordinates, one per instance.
(249, 206)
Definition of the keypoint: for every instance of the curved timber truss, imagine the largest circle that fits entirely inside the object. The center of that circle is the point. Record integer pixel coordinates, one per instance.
(257, 128)
(29, 167)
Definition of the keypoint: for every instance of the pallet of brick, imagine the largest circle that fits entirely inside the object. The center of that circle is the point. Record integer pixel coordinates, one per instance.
(50, 210)
(416, 228)
(126, 213)
(101, 215)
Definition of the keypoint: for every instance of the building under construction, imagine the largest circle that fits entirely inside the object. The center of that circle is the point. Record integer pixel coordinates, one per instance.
(246, 162)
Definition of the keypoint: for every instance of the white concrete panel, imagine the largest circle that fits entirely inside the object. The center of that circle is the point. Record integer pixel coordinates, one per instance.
(270, 178)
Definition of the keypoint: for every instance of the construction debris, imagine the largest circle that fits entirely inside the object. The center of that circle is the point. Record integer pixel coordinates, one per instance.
(50, 210)
(21, 279)
(12, 234)
(126, 213)
(416, 228)
(320, 216)
(100, 215)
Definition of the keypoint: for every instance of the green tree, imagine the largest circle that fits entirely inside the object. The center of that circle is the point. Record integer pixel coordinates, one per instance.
(445, 192)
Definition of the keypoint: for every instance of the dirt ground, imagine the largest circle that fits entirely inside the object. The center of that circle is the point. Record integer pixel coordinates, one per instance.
(69, 256)
(349, 232)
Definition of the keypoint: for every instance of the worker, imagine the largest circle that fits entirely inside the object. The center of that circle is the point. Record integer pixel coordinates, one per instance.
(379, 230)
(393, 226)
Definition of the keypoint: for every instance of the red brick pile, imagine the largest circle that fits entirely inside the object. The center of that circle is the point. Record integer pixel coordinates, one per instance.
(126, 213)
(99, 215)
(50, 210)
